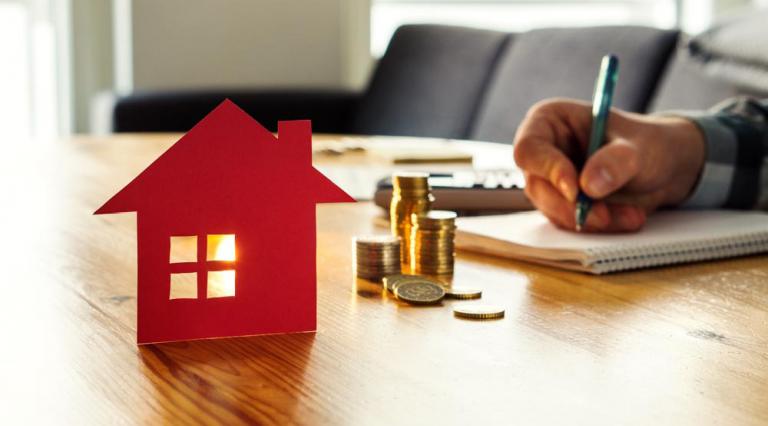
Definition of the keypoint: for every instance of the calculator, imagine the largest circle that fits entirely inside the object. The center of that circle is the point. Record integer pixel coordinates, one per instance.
(477, 191)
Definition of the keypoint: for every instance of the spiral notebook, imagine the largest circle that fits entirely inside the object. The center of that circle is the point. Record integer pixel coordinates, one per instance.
(669, 237)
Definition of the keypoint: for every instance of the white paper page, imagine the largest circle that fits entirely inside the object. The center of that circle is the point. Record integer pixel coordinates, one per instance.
(679, 226)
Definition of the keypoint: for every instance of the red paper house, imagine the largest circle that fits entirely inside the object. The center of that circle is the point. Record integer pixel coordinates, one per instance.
(226, 230)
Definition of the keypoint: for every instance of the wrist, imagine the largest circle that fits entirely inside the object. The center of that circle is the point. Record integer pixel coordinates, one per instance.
(690, 153)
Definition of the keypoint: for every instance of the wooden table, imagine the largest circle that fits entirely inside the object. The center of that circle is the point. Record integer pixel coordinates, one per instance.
(681, 345)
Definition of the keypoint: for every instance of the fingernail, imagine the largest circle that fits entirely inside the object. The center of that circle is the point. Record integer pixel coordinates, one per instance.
(568, 191)
(601, 183)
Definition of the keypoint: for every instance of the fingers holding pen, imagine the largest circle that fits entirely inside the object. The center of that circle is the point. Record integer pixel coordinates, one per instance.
(603, 217)
(552, 130)
(547, 135)
(545, 161)
(559, 210)
(610, 168)
(626, 218)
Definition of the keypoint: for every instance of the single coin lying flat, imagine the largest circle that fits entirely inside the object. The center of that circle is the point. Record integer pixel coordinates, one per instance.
(462, 293)
(478, 311)
(419, 291)
(392, 281)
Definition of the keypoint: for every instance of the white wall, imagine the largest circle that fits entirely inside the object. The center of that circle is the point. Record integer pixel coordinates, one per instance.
(248, 43)
(91, 56)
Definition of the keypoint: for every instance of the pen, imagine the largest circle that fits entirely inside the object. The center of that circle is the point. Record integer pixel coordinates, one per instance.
(601, 106)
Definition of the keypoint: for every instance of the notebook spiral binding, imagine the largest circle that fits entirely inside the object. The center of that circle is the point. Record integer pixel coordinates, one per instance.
(620, 258)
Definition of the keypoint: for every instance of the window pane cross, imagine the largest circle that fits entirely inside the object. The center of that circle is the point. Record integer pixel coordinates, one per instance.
(211, 257)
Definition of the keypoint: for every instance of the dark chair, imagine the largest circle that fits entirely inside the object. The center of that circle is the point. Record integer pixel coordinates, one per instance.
(730, 59)
(563, 62)
(428, 83)
(439, 81)
(178, 111)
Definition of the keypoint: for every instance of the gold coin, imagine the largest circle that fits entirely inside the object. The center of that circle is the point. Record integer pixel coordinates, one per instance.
(438, 272)
(478, 311)
(381, 272)
(392, 281)
(425, 245)
(435, 218)
(463, 293)
(434, 265)
(368, 252)
(429, 269)
(433, 262)
(376, 240)
(379, 261)
(410, 180)
(441, 215)
(435, 257)
(419, 291)
(376, 272)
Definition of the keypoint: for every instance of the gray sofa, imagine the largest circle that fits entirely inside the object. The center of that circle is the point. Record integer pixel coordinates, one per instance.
(453, 82)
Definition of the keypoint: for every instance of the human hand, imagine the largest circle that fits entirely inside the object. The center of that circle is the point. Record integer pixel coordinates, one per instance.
(647, 162)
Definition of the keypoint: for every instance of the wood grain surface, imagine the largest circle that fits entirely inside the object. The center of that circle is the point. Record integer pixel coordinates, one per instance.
(683, 345)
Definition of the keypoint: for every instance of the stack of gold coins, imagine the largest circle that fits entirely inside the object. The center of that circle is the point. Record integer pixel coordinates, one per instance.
(410, 195)
(432, 236)
(377, 256)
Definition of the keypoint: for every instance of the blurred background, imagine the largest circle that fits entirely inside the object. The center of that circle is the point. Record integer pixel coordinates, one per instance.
(63, 61)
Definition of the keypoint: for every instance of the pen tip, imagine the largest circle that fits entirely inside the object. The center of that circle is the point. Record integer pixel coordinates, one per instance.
(580, 215)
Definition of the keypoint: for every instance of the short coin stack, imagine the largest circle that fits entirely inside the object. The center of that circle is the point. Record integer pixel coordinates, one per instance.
(432, 235)
(377, 256)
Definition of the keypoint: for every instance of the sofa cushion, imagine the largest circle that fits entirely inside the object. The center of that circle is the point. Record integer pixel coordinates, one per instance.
(728, 60)
(735, 51)
(562, 62)
(429, 81)
(688, 85)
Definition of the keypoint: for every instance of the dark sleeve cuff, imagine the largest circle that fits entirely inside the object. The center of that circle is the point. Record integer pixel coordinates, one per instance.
(735, 173)
(714, 186)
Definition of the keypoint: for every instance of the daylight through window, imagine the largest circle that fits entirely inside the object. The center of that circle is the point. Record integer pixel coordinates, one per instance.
(216, 270)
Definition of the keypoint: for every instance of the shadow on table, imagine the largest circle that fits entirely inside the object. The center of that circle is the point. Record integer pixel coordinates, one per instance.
(245, 379)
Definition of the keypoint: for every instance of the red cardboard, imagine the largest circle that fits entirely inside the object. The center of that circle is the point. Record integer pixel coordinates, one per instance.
(231, 184)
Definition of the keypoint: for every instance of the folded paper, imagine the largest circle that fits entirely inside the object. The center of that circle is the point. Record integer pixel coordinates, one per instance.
(226, 230)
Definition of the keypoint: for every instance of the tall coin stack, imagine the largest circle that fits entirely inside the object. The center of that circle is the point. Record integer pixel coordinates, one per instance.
(432, 238)
(410, 195)
(377, 256)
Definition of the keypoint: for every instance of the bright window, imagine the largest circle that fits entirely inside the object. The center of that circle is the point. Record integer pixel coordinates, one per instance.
(217, 269)
(221, 247)
(34, 79)
(517, 15)
(221, 284)
(184, 249)
(184, 285)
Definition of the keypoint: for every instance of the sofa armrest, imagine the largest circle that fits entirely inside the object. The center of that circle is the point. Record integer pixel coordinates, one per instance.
(178, 111)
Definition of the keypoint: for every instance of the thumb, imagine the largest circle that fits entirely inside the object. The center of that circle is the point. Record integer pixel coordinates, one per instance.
(610, 168)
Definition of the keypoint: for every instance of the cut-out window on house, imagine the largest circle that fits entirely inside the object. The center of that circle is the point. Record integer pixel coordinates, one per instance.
(218, 267)
(183, 249)
(221, 247)
(221, 284)
(184, 285)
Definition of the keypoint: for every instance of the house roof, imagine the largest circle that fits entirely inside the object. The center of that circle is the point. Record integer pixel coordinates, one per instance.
(228, 154)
